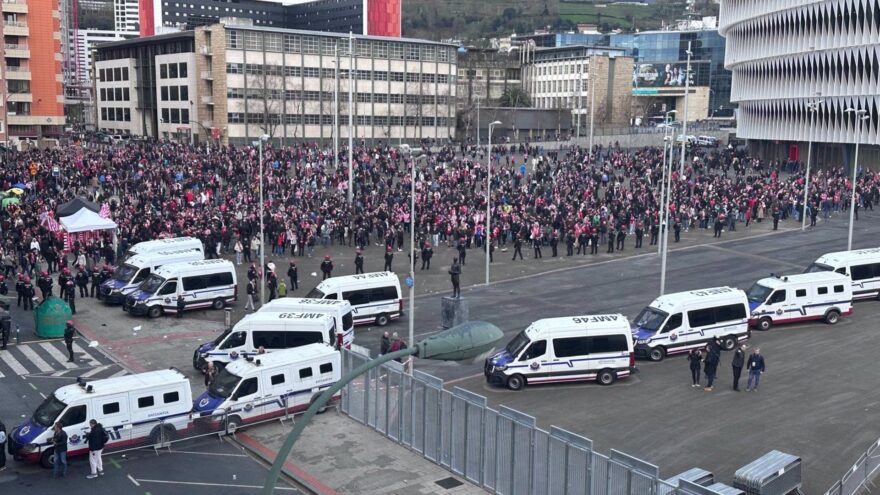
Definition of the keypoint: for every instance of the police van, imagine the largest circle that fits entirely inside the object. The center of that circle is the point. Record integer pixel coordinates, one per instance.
(862, 265)
(269, 330)
(374, 297)
(129, 275)
(676, 323)
(172, 244)
(269, 385)
(567, 349)
(810, 296)
(134, 409)
(207, 283)
(338, 309)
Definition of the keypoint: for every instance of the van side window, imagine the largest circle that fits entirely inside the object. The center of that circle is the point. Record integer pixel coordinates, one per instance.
(536, 350)
(235, 340)
(572, 346)
(861, 272)
(800, 293)
(299, 339)
(169, 397)
(347, 321)
(277, 379)
(730, 312)
(822, 290)
(357, 297)
(141, 276)
(247, 387)
(74, 416)
(838, 289)
(168, 288)
(305, 372)
(269, 340)
(195, 283)
(383, 294)
(608, 343)
(777, 297)
(110, 408)
(219, 279)
(701, 317)
(330, 296)
(326, 368)
(673, 323)
(147, 401)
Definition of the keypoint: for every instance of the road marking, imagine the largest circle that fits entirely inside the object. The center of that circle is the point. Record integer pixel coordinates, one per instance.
(462, 379)
(220, 454)
(116, 464)
(32, 385)
(224, 485)
(95, 371)
(118, 373)
(88, 357)
(36, 359)
(57, 355)
(755, 256)
(134, 480)
(2, 375)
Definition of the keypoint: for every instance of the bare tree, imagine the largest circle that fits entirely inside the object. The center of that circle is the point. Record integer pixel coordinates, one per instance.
(266, 98)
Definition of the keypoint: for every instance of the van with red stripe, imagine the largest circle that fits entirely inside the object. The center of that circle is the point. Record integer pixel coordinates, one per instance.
(822, 296)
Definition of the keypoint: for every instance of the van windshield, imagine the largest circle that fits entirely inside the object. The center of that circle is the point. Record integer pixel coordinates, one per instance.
(758, 293)
(125, 272)
(650, 319)
(517, 344)
(48, 412)
(224, 384)
(152, 284)
(819, 267)
(315, 294)
(222, 336)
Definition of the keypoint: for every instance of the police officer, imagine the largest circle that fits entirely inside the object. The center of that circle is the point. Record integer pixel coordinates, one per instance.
(455, 275)
(640, 233)
(293, 276)
(359, 261)
(28, 293)
(19, 289)
(70, 295)
(45, 285)
(611, 242)
(327, 267)
(594, 241)
(621, 237)
(427, 253)
(389, 257)
(462, 252)
(96, 282)
(272, 285)
(569, 245)
(62, 281)
(69, 333)
(4, 289)
(554, 242)
(676, 229)
(517, 247)
(655, 231)
(536, 246)
(181, 305)
(251, 290)
(82, 281)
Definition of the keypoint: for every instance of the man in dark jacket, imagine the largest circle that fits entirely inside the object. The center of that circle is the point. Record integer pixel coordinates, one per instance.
(70, 296)
(97, 437)
(327, 267)
(293, 275)
(3, 440)
(427, 253)
(389, 257)
(755, 365)
(69, 333)
(359, 262)
(710, 363)
(59, 444)
(384, 344)
(455, 275)
(739, 359)
(181, 305)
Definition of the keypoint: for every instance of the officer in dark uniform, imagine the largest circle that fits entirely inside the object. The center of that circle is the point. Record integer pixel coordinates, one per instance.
(70, 295)
(427, 253)
(517, 247)
(327, 267)
(455, 275)
(569, 245)
(611, 241)
(462, 253)
(491, 247)
(28, 293)
(4, 289)
(293, 275)
(252, 272)
(69, 333)
(82, 281)
(583, 241)
(19, 289)
(45, 285)
(96, 283)
(389, 257)
(640, 233)
(655, 232)
(554, 242)
(594, 241)
(62, 282)
(536, 246)
(676, 229)
(181, 305)
(621, 237)
(359, 262)
(272, 285)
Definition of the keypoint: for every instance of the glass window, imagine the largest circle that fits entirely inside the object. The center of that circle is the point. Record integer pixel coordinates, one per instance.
(299, 339)
(235, 340)
(195, 283)
(800, 293)
(291, 43)
(184, 116)
(169, 397)
(253, 40)
(838, 289)
(673, 323)
(862, 272)
(183, 70)
(536, 350)
(233, 39)
(74, 416)
(172, 71)
(608, 343)
(269, 339)
(730, 312)
(822, 290)
(125, 73)
(305, 373)
(174, 93)
(184, 93)
(777, 297)
(357, 297)
(163, 71)
(573, 346)
(166, 116)
(147, 401)
(380, 49)
(328, 46)
(326, 368)
(175, 115)
(169, 288)
(701, 317)
(110, 408)
(247, 388)
(310, 44)
(273, 42)
(277, 379)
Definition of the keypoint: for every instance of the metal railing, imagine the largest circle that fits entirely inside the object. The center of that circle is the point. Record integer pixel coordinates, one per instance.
(502, 451)
(859, 476)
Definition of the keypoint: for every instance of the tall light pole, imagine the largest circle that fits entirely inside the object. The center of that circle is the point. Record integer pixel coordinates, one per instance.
(667, 148)
(489, 200)
(336, 107)
(664, 226)
(412, 255)
(192, 117)
(813, 109)
(350, 118)
(860, 119)
(580, 95)
(263, 138)
(684, 120)
(478, 123)
(592, 90)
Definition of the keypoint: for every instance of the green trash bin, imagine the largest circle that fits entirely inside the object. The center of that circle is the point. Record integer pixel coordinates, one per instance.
(50, 318)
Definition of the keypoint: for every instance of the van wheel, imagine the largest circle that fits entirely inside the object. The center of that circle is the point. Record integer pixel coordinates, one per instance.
(657, 353)
(315, 399)
(516, 382)
(161, 434)
(729, 343)
(233, 424)
(765, 323)
(606, 377)
(832, 317)
(218, 303)
(47, 459)
(383, 319)
(155, 312)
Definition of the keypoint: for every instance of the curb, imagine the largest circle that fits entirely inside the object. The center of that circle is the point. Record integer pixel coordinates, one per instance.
(290, 469)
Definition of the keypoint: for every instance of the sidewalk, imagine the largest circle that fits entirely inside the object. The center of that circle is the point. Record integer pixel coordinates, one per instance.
(337, 455)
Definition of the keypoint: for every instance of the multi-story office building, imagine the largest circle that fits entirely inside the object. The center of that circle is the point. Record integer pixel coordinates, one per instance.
(30, 78)
(484, 75)
(798, 66)
(234, 83)
(126, 16)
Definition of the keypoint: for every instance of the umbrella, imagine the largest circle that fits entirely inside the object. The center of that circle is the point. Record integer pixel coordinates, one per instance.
(9, 201)
(16, 190)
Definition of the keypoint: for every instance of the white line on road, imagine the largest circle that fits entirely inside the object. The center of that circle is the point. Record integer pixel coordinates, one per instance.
(220, 454)
(10, 361)
(57, 355)
(225, 485)
(118, 373)
(91, 359)
(95, 371)
(133, 480)
(36, 359)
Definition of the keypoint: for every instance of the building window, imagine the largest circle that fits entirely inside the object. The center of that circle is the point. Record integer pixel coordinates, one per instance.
(182, 70)
(174, 93)
(234, 69)
(126, 114)
(164, 92)
(380, 76)
(362, 48)
(125, 73)
(328, 46)
(103, 94)
(253, 41)
(125, 94)
(293, 71)
(163, 71)
(412, 52)
(291, 43)
(380, 49)
(311, 72)
(310, 44)
(233, 40)
(396, 51)
(273, 42)
(184, 116)
(236, 118)
(165, 116)
(103, 114)
(172, 71)
(184, 93)
(175, 115)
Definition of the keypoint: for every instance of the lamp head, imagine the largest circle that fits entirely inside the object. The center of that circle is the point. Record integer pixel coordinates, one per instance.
(497, 122)
(470, 341)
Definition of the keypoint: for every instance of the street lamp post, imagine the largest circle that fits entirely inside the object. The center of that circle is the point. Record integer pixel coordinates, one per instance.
(350, 118)
(684, 120)
(814, 109)
(664, 225)
(860, 119)
(192, 116)
(263, 138)
(488, 235)
(667, 148)
(336, 107)
(412, 255)
(592, 84)
(468, 341)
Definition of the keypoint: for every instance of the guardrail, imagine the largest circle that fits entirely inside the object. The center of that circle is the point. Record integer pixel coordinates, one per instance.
(857, 479)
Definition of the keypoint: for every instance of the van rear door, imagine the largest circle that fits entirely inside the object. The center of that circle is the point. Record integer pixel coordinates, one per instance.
(113, 413)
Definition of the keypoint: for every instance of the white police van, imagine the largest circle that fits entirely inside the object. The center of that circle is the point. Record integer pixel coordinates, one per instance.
(810, 296)
(567, 349)
(862, 265)
(676, 323)
(269, 330)
(339, 309)
(134, 409)
(207, 283)
(374, 297)
(129, 275)
(269, 385)
(171, 244)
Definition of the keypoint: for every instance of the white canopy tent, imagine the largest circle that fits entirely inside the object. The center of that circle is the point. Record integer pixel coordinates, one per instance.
(86, 220)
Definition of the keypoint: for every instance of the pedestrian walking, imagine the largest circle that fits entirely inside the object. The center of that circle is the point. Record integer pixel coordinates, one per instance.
(69, 334)
(70, 294)
(251, 289)
(181, 305)
(359, 261)
(293, 275)
(517, 247)
(455, 274)
(389, 257)
(384, 344)
(97, 438)
(695, 360)
(756, 367)
(59, 445)
(327, 267)
(739, 359)
(427, 254)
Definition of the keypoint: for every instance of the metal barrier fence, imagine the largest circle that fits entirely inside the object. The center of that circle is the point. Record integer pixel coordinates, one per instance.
(500, 450)
(857, 479)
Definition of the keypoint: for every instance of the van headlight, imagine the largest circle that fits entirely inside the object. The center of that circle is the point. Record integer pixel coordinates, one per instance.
(140, 303)
(31, 447)
(641, 341)
(500, 367)
(115, 291)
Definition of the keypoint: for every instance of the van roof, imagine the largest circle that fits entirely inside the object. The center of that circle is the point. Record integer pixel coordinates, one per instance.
(803, 278)
(334, 282)
(186, 266)
(583, 323)
(281, 357)
(121, 384)
(283, 303)
(302, 318)
(144, 259)
(846, 256)
(160, 243)
(710, 295)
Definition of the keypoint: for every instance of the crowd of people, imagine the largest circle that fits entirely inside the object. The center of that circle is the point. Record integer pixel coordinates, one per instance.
(568, 197)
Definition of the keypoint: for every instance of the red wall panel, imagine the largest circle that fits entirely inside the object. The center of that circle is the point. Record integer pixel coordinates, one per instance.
(383, 17)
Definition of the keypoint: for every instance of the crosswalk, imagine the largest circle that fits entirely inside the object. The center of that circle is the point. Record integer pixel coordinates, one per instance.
(49, 360)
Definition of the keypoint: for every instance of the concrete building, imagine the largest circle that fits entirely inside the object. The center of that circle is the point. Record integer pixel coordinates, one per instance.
(31, 92)
(126, 17)
(789, 56)
(485, 74)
